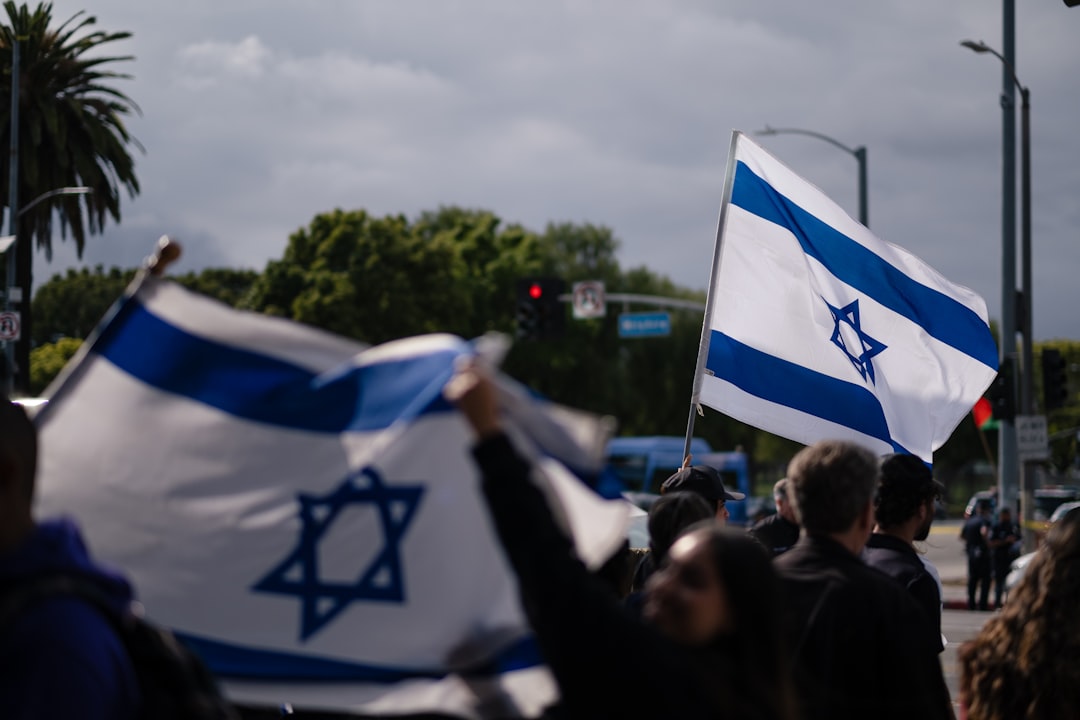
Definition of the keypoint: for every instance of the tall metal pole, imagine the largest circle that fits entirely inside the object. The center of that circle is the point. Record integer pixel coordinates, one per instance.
(1028, 398)
(1008, 480)
(13, 213)
(1026, 297)
(1026, 512)
(859, 153)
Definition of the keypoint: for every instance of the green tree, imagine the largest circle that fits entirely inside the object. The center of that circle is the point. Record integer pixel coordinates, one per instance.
(1064, 422)
(226, 285)
(376, 279)
(71, 305)
(70, 132)
(48, 360)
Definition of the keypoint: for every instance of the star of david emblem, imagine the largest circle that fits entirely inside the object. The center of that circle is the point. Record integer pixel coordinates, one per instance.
(848, 335)
(381, 581)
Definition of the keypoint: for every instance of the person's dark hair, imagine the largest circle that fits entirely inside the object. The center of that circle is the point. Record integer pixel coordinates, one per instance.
(906, 484)
(18, 445)
(761, 677)
(831, 483)
(1015, 667)
(670, 515)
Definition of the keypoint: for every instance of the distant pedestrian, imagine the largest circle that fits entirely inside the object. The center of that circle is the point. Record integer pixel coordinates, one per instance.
(904, 510)
(780, 531)
(1023, 663)
(861, 645)
(706, 482)
(1004, 541)
(976, 536)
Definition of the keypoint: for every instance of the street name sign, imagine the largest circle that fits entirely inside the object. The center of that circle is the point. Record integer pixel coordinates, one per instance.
(635, 325)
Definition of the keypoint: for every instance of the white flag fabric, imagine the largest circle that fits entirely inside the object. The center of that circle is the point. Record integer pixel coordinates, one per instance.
(305, 511)
(817, 329)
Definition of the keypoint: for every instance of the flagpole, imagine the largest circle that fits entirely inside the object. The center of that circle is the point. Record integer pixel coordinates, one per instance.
(706, 322)
(166, 252)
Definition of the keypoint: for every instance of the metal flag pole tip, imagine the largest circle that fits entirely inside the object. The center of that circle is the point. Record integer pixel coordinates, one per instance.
(167, 252)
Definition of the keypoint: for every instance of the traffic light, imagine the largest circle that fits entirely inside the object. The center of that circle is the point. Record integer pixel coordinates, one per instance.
(1002, 392)
(540, 313)
(1055, 381)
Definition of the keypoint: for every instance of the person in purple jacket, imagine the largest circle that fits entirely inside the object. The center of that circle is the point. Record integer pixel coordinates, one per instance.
(59, 655)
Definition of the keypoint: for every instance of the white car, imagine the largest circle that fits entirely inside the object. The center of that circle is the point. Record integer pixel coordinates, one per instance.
(1019, 565)
(1016, 571)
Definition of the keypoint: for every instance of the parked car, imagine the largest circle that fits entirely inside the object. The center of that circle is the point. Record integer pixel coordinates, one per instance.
(990, 495)
(642, 464)
(1047, 500)
(1062, 510)
(1019, 565)
(1016, 571)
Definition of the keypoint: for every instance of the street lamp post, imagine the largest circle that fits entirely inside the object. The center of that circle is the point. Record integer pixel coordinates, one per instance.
(8, 244)
(858, 152)
(1027, 387)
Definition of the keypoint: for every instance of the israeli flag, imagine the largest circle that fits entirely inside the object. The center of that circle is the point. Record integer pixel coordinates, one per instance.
(817, 329)
(304, 511)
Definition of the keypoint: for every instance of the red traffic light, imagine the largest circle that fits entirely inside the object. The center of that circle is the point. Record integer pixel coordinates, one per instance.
(536, 291)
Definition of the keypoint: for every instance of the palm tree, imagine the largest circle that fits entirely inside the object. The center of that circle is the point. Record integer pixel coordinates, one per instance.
(70, 133)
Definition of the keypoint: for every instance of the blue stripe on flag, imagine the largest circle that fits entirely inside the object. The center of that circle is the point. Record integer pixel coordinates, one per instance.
(265, 389)
(785, 383)
(234, 661)
(944, 318)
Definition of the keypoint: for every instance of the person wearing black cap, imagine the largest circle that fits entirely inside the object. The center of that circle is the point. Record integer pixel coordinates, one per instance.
(904, 510)
(706, 482)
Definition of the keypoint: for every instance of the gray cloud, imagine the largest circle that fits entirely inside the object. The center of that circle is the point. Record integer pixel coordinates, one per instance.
(260, 114)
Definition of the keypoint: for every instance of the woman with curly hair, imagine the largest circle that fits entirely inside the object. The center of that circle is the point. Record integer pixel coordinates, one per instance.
(1024, 662)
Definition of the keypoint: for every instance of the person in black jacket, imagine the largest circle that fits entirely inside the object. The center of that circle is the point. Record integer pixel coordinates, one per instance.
(1004, 542)
(707, 647)
(976, 536)
(860, 642)
(780, 531)
(904, 509)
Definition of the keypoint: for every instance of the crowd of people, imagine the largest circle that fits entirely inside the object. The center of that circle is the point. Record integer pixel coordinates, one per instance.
(825, 610)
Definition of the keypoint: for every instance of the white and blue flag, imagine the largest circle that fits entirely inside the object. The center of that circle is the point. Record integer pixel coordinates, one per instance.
(817, 329)
(304, 511)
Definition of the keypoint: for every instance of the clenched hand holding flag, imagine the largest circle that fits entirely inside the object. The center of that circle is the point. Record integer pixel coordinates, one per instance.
(304, 511)
(816, 329)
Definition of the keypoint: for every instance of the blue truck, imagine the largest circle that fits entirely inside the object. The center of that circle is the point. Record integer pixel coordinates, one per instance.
(642, 464)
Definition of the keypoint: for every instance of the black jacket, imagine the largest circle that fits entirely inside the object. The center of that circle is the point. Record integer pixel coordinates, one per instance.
(898, 560)
(776, 533)
(607, 663)
(860, 640)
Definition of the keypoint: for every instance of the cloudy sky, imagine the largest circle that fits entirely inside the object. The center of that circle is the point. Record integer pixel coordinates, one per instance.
(259, 114)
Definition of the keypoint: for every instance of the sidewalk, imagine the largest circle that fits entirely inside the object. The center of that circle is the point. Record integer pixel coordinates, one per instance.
(954, 593)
